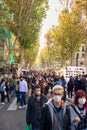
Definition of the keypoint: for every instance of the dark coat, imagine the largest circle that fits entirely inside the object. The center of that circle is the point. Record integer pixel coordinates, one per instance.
(34, 108)
(46, 121)
(70, 85)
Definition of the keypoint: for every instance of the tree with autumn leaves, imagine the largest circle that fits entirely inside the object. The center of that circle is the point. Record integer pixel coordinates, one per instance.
(23, 18)
(68, 36)
(81, 5)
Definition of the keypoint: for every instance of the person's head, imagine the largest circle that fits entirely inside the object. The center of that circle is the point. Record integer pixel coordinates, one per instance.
(80, 98)
(21, 78)
(6, 83)
(62, 77)
(37, 90)
(57, 93)
(49, 89)
(2, 82)
(80, 76)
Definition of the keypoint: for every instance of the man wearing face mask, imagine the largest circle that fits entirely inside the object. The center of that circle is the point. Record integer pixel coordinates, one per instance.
(35, 104)
(52, 116)
(23, 90)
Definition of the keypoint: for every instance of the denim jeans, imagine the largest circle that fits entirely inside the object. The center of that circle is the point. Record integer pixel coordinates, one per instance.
(22, 98)
(2, 96)
(18, 96)
(35, 128)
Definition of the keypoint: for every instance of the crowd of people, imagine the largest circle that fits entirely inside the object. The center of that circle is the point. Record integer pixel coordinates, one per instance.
(46, 94)
(47, 109)
(7, 88)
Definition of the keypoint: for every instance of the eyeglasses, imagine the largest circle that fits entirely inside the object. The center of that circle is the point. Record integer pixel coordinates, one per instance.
(59, 94)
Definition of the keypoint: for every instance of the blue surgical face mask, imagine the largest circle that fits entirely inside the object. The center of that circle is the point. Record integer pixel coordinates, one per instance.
(57, 98)
(82, 101)
(49, 90)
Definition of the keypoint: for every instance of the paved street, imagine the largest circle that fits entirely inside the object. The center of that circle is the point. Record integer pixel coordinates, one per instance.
(11, 118)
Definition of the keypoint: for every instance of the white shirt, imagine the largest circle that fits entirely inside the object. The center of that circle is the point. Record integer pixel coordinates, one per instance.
(23, 86)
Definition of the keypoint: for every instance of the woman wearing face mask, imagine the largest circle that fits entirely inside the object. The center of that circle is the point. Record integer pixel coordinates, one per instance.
(78, 112)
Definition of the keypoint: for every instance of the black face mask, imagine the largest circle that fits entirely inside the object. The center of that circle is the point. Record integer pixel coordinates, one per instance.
(37, 95)
(21, 79)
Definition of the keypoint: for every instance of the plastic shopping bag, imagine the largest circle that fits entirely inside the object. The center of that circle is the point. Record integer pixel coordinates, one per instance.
(28, 127)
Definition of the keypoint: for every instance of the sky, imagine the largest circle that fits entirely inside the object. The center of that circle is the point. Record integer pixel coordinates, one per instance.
(51, 19)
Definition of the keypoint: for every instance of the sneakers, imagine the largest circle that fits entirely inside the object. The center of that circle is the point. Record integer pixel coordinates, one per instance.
(20, 107)
(24, 106)
(3, 103)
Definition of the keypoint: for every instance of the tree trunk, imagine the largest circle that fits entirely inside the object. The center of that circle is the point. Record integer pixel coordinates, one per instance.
(10, 49)
(20, 55)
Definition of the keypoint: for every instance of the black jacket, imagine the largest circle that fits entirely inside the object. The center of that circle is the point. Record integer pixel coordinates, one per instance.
(46, 121)
(34, 108)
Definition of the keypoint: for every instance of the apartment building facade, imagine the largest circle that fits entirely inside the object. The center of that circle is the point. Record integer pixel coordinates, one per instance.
(81, 56)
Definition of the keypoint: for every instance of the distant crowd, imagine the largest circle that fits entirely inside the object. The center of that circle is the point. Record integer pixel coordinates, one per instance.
(46, 80)
(45, 95)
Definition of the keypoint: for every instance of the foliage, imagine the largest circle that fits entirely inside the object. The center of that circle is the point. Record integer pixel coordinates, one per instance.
(44, 56)
(48, 57)
(82, 5)
(23, 18)
(66, 38)
(31, 54)
(2, 36)
(69, 35)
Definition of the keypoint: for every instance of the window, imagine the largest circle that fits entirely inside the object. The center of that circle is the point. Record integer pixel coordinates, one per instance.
(77, 56)
(83, 48)
(81, 63)
(83, 55)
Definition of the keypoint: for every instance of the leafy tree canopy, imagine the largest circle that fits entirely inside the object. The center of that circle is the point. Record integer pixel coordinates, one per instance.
(67, 36)
(82, 5)
(23, 18)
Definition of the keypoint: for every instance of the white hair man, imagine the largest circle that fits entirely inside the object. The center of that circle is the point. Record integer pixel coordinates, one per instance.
(53, 111)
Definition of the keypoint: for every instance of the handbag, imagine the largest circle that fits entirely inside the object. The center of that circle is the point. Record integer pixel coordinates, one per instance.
(28, 127)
